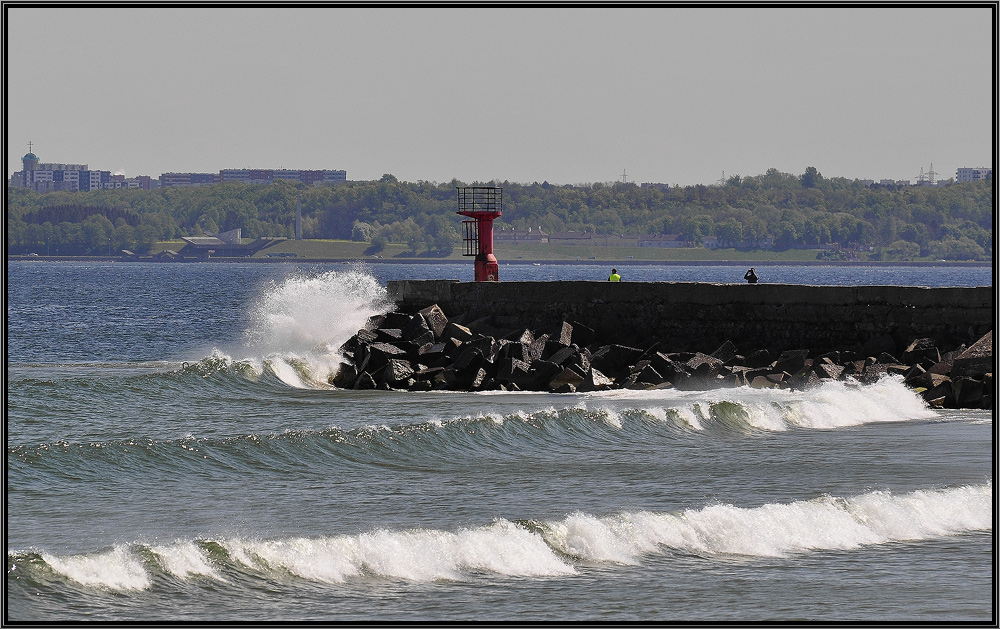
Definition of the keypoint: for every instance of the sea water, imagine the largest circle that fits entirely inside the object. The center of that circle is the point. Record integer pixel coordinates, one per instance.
(175, 453)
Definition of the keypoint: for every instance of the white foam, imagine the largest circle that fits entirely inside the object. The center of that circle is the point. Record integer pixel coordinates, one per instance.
(298, 325)
(184, 560)
(832, 404)
(776, 530)
(117, 569)
(414, 555)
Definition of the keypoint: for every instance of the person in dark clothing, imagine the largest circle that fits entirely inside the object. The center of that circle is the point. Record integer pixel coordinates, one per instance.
(751, 276)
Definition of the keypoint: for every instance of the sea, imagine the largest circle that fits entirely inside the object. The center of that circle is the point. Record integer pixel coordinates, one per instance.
(176, 454)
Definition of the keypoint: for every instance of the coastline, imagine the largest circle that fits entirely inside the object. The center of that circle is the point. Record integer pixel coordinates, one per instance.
(737, 263)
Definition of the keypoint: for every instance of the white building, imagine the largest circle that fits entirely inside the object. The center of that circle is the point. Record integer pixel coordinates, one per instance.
(973, 174)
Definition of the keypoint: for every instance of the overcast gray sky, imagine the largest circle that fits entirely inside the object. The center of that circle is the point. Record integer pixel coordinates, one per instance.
(565, 95)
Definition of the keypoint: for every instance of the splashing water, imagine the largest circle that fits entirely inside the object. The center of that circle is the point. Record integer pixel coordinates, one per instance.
(299, 323)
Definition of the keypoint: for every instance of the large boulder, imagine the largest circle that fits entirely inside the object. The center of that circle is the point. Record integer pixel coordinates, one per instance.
(435, 319)
(975, 361)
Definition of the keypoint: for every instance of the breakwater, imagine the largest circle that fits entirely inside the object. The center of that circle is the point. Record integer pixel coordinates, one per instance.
(690, 316)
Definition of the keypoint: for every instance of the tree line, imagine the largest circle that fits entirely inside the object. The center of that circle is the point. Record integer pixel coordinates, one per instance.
(951, 221)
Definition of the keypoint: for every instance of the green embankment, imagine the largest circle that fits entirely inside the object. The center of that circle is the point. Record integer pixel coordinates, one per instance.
(347, 249)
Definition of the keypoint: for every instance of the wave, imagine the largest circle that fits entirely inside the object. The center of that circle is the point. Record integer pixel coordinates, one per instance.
(611, 419)
(527, 549)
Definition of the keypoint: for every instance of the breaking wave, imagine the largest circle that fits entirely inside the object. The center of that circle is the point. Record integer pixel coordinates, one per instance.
(527, 549)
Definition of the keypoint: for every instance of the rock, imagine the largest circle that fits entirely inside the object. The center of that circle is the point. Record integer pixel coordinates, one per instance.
(564, 334)
(417, 330)
(827, 370)
(430, 352)
(518, 351)
(879, 344)
(457, 332)
(968, 392)
(977, 360)
(941, 396)
(582, 335)
(388, 335)
(759, 358)
(525, 337)
(563, 354)
(649, 375)
(704, 365)
(565, 377)
(726, 352)
(793, 361)
(345, 376)
(365, 382)
(919, 349)
(596, 381)
(397, 371)
(613, 359)
(436, 321)
(537, 347)
(885, 358)
(469, 359)
(381, 353)
(513, 369)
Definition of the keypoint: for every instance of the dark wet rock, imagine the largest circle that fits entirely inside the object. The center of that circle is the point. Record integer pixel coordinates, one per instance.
(346, 374)
(394, 320)
(726, 352)
(793, 361)
(397, 371)
(435, 319)
(582, 335)
(428, 350)
(417, 331)
(456, 332)
(758, 358)
(388, 335)
(566, 377)
(381, 353)
(563, 354)
(613, 359)
(827, 370)
(975, 361)
(968, 392)
(365, 382)
(879, 344)
(920, 349)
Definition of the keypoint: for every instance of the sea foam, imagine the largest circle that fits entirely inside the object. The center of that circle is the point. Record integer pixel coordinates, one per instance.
(555, 548)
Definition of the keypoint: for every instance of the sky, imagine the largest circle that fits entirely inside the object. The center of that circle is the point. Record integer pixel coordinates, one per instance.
(567, 95)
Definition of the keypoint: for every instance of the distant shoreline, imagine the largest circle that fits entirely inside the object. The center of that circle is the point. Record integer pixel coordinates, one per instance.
(738, 263)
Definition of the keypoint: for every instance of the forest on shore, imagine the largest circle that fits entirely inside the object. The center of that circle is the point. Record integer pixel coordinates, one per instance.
(953, 221)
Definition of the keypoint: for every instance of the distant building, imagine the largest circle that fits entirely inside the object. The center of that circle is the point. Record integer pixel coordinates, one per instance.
(571, 238)
(662, 240)
(658, 186)
(521, 235)
(51, 177)
(187, 180)
(972, 174)
(266, 176)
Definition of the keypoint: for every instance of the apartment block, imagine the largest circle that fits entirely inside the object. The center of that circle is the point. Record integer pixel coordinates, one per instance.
(972, 174)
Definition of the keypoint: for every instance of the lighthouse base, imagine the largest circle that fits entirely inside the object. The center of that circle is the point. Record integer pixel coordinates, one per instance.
(487, 268)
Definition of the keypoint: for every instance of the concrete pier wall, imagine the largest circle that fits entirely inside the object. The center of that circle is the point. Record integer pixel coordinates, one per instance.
(693, 316)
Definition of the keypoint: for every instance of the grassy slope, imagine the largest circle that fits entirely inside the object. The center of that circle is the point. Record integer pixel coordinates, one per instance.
(346, 249)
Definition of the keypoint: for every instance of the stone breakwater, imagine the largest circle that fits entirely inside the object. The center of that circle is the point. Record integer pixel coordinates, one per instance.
(434, 347)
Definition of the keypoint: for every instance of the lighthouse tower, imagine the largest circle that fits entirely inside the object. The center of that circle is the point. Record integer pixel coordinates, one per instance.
(482, 204)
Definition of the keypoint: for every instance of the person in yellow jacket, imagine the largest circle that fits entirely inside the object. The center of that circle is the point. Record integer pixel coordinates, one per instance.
(614, 277)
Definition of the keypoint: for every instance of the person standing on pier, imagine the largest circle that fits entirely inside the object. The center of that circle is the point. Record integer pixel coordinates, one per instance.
(614, 277)
(751, 276)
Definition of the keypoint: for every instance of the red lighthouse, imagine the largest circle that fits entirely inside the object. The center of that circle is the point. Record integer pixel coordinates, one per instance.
(483, 204)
